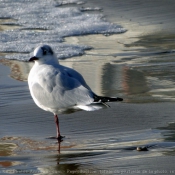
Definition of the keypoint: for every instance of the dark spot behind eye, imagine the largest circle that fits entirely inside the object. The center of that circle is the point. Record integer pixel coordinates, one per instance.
(46, 49)
(44, 52)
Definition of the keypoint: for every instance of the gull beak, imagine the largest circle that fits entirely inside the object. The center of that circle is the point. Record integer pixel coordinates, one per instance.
(33, 59)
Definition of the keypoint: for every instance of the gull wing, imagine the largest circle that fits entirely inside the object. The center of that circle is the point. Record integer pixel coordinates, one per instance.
(76, 75)
(57, 88)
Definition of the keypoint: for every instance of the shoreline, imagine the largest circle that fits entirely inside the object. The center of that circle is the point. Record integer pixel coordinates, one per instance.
(105, 139)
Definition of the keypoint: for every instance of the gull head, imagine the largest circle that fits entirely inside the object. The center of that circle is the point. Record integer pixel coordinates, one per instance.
(44, 54)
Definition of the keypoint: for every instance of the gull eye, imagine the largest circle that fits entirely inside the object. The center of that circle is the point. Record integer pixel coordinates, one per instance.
(44, 52)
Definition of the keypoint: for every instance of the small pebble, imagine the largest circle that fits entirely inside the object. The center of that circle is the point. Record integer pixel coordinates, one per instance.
(142, 148)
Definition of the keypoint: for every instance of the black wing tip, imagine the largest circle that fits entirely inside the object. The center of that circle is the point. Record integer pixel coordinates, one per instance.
(114, 99)
(106, 99)
(119, 99)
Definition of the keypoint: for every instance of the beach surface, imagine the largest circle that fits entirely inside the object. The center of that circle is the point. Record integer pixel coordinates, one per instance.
(137, 65)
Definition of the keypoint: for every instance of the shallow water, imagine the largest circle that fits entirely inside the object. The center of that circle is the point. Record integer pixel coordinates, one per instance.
(137, 65)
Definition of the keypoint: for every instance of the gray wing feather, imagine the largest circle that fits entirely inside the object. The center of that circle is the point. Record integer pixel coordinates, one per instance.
(76, 75)
(60, 89)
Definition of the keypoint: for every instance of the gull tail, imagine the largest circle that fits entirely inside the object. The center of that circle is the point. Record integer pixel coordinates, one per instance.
(98, 99)
(93, 106)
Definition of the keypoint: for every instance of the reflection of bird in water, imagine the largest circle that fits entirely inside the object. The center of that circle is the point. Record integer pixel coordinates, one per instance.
(57, 89)
(59, 146)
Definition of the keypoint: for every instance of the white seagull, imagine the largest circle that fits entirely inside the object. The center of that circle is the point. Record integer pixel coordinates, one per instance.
(56, 88)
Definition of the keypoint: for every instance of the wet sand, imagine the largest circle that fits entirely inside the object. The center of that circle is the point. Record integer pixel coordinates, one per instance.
(137, 65)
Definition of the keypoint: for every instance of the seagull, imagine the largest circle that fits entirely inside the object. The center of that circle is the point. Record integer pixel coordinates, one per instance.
(57, 89)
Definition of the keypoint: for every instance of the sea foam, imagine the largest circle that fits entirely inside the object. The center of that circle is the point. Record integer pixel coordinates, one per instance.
(48, 21)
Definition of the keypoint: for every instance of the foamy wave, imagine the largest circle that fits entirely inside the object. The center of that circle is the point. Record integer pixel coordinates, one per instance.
(46, 21)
